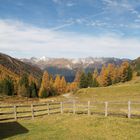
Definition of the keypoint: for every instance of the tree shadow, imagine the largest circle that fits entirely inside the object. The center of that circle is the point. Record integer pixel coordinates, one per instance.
(8, 129)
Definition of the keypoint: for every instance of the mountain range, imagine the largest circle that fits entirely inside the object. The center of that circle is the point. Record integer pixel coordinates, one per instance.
(88, 62)
(68, 67)
(62, 66)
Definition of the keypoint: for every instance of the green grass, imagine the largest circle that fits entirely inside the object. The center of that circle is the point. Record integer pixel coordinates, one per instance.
(82, 127)
(121, 92)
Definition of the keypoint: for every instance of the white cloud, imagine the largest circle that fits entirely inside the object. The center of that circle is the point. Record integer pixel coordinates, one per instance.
(121, 6)
(70, 4)
(66, 3)
(56, 1)
(29, 40)
(63, 25)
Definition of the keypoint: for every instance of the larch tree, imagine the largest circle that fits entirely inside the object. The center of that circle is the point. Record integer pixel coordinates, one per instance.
(23, 87)
(72, 86)
(53, 91)
(63, 85)
(95, 78)
(78, 76)
(45, 86)
(125, 72)
(57, 84)
(105, 77)
(112, 73)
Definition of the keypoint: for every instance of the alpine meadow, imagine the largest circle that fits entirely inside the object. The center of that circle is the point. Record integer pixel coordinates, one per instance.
(69, 70)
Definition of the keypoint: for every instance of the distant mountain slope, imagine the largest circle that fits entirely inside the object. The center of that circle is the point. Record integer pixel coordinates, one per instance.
(13, 66)
(68, 73)
(68, 67)
(83, 63)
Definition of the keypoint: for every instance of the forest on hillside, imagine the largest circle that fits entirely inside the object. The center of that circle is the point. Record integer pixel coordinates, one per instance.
(29, 86)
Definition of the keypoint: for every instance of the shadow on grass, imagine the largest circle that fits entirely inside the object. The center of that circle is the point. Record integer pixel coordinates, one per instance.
(8, 129)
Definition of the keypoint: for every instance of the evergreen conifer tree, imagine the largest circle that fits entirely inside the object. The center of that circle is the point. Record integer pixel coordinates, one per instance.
(83, 81)
(33, 90)
(89, 79)
(7, 86)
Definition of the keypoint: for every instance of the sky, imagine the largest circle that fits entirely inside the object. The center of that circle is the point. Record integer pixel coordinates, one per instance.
(70, 28)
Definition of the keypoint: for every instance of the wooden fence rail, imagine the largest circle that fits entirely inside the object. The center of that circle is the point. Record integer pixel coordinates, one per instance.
(128, 109)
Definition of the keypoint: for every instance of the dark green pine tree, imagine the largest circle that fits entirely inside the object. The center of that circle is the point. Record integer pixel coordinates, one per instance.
(89, 79)
(83, 81)
(7, 86)
(95, 83)
(129, 73)
(24, 80)
(33, 90)
(1, 86)
(138, 73)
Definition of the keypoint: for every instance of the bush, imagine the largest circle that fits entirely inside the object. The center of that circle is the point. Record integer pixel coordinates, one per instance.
(52, 92)
(44, 94)
(138, 73)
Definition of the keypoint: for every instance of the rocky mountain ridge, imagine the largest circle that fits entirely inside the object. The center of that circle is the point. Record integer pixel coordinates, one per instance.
(73, 63)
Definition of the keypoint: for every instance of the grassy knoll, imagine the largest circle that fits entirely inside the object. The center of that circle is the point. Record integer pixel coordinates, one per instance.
(82, 127)
(120, 92)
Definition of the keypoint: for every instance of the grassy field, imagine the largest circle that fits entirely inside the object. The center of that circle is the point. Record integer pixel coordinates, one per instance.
(82, 127)
(121, 92)
(70, 127)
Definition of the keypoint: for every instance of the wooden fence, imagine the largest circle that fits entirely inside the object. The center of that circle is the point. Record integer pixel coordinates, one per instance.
(127, 109)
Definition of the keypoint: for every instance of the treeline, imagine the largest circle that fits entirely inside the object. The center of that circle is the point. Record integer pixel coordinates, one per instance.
(109, 75)
(28, 86)
(54, 86)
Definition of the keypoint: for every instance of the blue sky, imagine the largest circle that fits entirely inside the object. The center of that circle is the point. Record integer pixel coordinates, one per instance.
(70, 28)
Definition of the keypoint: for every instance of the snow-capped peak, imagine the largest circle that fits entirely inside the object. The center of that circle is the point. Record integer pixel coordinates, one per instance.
(75, 61)
(44, 58)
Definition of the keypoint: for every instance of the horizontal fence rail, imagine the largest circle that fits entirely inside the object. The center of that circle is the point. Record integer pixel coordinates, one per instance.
(127, 109)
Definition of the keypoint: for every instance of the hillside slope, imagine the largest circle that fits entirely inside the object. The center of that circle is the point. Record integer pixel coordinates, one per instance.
(136, 64)
(14, 67)
(121, 92)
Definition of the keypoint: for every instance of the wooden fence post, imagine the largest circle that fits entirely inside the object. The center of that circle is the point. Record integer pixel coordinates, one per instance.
(61, 107)
(48, 109)
(129, 109)
(15, 112)
(74, 107)
(106, 109)
(32, 110)
(89, 113)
